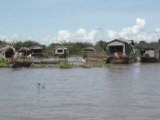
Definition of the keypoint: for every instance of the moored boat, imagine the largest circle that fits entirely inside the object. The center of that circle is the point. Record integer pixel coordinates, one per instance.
(21, 63)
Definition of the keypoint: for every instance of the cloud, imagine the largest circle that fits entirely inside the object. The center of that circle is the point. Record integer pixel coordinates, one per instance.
(125, 32)
(81, 35)
(64, 36)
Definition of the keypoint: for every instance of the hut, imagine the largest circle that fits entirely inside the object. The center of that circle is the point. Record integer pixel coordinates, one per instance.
(61, 52)
(149, 53)
(36, 51)
(7, 52)
(90, 55)
(120, 51)
(88, 51)
(24, 51)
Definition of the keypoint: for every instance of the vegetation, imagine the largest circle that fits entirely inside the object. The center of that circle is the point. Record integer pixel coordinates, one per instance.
(65, 64)
(3, 62)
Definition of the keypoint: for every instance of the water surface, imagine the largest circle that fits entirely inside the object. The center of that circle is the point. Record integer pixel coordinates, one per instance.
(119, 92)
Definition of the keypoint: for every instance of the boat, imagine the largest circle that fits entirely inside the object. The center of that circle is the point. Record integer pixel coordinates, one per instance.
(21, 63)
(121, 59)
(148, 59)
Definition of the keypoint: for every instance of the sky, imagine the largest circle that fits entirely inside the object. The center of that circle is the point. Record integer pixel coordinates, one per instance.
(48, 21)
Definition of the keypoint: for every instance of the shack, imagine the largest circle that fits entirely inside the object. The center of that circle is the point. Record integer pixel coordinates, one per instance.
(61, 52)
(7, 52)
(90, 55)
(88, 51)
(24, 51)
(120, 51)
(149, 53)
(36, 51)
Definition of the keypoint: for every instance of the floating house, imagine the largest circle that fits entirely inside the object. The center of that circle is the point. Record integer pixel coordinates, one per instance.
(120, 51)
(149, 53)
(61, 52)
(36, 51)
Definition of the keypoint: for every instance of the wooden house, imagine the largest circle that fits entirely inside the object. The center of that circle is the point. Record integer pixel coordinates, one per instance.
(88, 51)
(120, 51)
(149, 53)
(91, 55)
(61, 52)
(36, 51)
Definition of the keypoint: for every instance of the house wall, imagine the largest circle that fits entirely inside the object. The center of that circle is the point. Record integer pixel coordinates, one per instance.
(117, 43)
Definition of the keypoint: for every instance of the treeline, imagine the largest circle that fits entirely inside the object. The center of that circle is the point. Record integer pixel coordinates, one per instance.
(75, 48)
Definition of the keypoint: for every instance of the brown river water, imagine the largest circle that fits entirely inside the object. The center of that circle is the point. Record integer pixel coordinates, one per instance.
(118, 92)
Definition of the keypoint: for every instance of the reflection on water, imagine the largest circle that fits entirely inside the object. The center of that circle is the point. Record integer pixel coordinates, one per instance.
(119, 92)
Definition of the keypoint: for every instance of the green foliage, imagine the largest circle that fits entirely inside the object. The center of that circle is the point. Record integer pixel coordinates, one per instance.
(101, 45)
(3, 42)
(159, 42)
(28, 43)
(65, 64)
(3, 62)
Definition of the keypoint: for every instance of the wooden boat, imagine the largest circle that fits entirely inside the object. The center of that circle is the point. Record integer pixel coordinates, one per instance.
(21, 63)
(149, 59)
(118, 60)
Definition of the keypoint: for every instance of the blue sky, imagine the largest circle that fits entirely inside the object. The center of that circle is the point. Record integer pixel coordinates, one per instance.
(37, 18)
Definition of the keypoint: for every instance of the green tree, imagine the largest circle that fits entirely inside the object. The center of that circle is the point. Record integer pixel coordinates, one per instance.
(101, 45)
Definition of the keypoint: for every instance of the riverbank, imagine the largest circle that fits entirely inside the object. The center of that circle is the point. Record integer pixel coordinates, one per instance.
(72, 62)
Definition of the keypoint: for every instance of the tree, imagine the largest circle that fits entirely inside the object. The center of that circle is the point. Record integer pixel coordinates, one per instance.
(27, 44)
(101, 45)
(159, 41)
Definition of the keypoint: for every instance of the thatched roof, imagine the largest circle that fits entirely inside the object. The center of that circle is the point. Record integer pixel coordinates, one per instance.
(24, 49)
(5, 49)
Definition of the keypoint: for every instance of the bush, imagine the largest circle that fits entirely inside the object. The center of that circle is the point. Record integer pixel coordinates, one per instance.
(65, 64)
(3, 62)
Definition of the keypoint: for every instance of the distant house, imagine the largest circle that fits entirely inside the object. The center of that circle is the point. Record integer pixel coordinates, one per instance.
(90, 55)
(36, 51)
(88, 51)
(62, 52)
(120, 51)
(7, 52)
(149, 52)
(25, 51)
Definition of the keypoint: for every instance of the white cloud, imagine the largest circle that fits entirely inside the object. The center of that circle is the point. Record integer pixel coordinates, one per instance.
(133, 30)
(64, 36)
(81, 32)
(81, 35)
